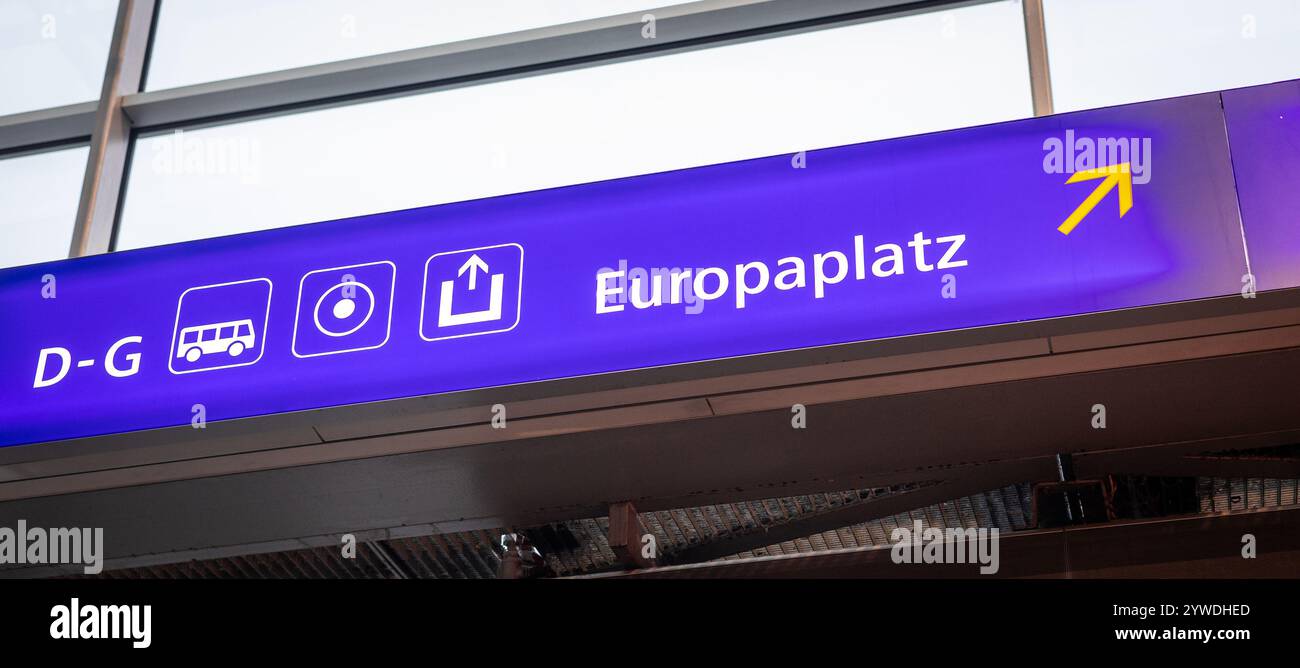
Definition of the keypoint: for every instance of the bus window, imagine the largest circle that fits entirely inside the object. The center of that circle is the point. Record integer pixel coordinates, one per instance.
(210, 334)
(190, 337)
(243, 330)
(228, 332)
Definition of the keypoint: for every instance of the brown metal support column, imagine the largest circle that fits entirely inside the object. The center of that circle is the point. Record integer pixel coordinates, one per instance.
(1040, 79)
(625, 532)
(110, 140)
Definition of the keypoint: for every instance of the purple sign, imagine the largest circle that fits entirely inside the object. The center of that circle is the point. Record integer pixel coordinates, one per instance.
(471, 292)
(1076, 213)
(1264, 128)
(344, 309)
(217, 327)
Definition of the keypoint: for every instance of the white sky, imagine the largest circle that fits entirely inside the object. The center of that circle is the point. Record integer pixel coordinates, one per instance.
(780, 95)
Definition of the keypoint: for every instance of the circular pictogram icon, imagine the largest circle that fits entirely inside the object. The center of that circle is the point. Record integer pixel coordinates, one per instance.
(340, 319)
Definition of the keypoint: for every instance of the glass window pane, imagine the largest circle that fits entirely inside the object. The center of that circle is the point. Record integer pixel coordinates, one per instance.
(38, 205)
(781, 95)
(1107, 52)
(52, 52)
(200, 40)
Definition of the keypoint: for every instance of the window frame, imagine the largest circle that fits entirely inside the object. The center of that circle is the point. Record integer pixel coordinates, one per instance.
(111, 123)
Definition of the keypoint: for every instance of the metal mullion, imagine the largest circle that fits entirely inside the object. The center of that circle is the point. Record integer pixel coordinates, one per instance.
(1040, 77)
(110, 138)
(34, 131)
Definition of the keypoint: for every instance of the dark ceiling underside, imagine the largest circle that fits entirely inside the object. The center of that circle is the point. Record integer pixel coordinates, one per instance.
(581, 547)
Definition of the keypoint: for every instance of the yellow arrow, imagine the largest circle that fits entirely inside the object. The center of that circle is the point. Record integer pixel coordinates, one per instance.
(1113, 174)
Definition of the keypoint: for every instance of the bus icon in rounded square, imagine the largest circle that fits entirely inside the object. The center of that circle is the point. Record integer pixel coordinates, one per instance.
(220, 326)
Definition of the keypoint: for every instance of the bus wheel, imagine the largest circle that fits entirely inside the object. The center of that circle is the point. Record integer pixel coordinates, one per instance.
(236, 349)
(192, 355)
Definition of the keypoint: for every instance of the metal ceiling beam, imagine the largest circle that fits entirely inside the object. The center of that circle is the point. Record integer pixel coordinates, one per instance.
(1195, 457)
(1208, 467)
(591, 423)
(1190, 546)
(972, 481)
(390, 562)
(689, 25)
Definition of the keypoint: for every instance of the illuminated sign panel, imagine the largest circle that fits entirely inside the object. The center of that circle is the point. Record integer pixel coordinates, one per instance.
(1264, 129)
(1075, 213)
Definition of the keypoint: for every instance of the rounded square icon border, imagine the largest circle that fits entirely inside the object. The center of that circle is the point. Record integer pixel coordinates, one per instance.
(519, 302)
(266, 320)
(388, 326)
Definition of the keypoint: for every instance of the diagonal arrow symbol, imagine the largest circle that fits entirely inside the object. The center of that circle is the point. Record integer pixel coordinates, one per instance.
(1113, 174)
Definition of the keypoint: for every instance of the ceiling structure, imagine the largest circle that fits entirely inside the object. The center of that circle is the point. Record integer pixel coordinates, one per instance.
(707, 454)
(582, 548)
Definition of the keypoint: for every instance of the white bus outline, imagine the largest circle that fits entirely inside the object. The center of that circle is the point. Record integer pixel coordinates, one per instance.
(233, 345)
(266, 320)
